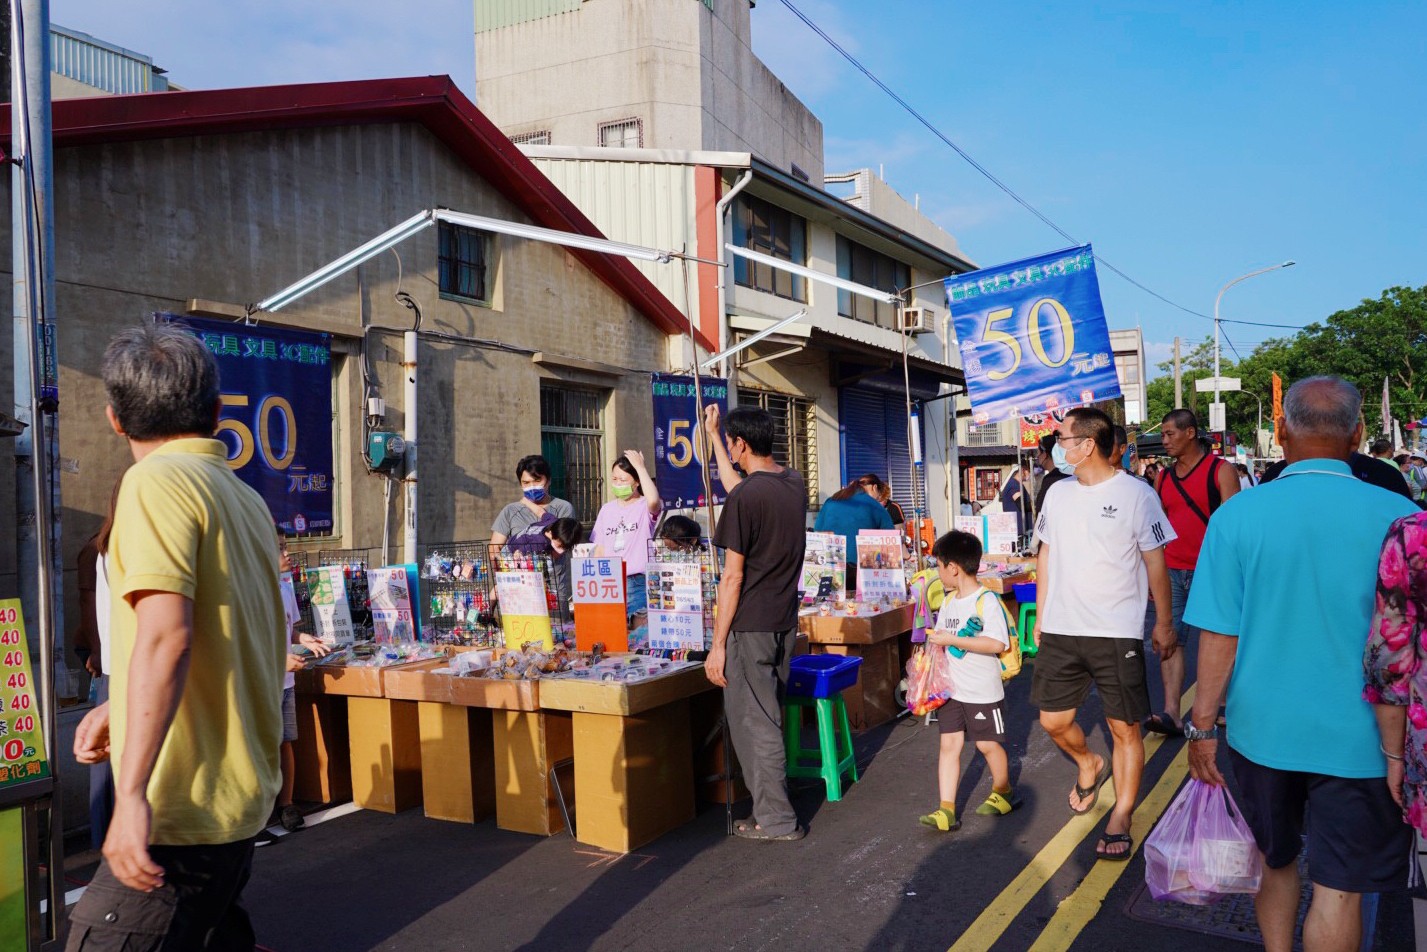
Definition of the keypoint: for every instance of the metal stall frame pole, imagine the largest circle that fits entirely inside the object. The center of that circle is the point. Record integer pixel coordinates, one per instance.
(411, 345)
(914, 442)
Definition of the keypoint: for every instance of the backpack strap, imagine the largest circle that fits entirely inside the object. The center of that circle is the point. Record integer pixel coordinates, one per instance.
(1216, 498)
(1173, 477)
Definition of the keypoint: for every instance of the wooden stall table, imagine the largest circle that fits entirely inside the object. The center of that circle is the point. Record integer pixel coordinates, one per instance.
(383, 736)
(324, 758)
(496, 748)
(875, 638)
(634, 776)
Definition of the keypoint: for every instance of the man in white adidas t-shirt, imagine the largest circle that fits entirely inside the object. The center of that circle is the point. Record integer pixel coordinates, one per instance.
(1102, 538)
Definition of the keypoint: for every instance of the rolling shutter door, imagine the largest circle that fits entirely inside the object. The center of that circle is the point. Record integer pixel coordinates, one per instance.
(874, 440)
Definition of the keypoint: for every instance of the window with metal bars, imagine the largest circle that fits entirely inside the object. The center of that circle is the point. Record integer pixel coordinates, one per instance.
(624, 134)
(572, 440)
(865, 266)
(531, 138)
(463, 256)
(795, 433)
(764, 227)
(984, 434)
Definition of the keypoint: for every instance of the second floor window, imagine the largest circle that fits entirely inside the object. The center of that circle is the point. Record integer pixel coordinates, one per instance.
(464, 263)
(773, 231)
(865, 266)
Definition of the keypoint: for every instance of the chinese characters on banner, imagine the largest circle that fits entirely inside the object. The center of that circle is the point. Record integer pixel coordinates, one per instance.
(824, 558)
(600, 613)
(676, 606)
(22, 747)
(879, 565)
(997, 531)
(392, 593)
(277, 415)
(1033, 336)
(331, 614)
(1037, 425)
(680, 447)
(524, 610)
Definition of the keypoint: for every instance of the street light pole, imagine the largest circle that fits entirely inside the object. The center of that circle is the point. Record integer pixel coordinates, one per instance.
(1258, 429)
(1220, 297)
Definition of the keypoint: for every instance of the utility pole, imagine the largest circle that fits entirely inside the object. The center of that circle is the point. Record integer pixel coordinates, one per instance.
(1178, 382)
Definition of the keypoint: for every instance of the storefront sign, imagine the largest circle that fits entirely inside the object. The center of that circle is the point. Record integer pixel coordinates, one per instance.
(1033, 336)
(1038, 425)
(392, 593)
(680, 448)
(524, 611)
(600, 613)
(22, 746)
(277, 415)
(676, 607)
(331, 613)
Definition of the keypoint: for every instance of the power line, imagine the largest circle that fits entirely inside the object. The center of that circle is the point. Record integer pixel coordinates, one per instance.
(977, 165)
(1296, 327)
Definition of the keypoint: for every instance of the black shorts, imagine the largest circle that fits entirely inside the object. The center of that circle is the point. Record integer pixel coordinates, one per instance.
(1066, 666)
(1357, 841)
(981, 722)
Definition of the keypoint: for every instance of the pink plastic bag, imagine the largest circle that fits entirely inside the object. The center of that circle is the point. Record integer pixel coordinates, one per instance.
(928, 679)
(1202, 849)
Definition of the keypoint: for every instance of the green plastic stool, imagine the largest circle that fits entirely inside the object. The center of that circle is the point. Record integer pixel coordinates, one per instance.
(1027, 626)
(833, 756)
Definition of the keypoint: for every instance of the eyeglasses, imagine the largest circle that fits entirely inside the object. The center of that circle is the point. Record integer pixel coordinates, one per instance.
(1062, 438)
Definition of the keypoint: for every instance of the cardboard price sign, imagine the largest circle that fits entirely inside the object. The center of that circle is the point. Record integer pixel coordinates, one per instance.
(22, 747)
(524, 612)
(600, 611)
(393, 596)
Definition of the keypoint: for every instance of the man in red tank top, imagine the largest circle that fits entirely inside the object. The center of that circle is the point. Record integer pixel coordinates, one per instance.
(1190, 491)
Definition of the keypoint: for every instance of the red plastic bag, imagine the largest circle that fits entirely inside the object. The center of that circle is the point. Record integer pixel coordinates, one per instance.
(928, 679)
(1202, 849)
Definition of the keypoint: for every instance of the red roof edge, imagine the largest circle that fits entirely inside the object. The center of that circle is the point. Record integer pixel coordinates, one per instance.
(434, 101)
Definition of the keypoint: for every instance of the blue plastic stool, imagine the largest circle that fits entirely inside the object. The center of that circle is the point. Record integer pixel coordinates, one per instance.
(817, 682)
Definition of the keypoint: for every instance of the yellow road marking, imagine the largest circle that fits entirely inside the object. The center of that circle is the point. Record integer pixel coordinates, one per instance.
(998, 916)
(1076, 910)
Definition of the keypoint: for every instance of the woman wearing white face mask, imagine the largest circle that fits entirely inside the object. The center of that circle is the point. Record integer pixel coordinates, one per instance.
(625, 524)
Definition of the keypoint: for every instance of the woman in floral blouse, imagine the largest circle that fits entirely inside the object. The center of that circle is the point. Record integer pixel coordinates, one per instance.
(1393, 664)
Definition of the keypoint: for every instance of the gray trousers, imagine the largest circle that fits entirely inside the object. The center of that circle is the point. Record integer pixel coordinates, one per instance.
(756, 666)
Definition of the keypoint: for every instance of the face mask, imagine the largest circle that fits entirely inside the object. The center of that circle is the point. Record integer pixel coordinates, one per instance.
(535, 493)
(623, 492)
(1057, 456)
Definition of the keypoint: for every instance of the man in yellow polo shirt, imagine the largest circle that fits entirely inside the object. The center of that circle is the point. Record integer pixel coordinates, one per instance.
(194, 719)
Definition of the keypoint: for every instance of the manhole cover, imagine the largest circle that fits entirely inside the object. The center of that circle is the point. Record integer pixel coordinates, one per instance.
(1230, 918)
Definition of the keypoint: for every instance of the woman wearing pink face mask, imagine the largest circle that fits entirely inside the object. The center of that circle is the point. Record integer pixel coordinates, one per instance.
(626, 523)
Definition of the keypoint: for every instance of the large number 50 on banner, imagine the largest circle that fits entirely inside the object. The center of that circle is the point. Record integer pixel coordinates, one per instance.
(680, 448)
(277, 415)
(1033, 336)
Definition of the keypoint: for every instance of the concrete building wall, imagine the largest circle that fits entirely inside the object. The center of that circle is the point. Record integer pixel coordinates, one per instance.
(876, 197)
(684, 68)
(145, 226)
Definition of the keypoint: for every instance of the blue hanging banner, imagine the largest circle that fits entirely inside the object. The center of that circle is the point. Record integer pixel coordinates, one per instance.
(1033, 336)
(679, 445)
(277, 415)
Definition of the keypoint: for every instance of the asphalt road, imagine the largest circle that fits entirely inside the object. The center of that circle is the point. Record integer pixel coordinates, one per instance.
(868, 876)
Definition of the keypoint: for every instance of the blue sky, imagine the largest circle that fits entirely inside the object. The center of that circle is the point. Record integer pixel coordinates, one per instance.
(1189, 142)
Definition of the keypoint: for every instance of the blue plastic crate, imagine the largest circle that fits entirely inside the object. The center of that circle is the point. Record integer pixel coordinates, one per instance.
(821, 675)
(1024, 592)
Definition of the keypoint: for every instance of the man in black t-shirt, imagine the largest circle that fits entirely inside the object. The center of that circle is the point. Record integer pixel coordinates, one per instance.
(1369, 469)
(762, 533)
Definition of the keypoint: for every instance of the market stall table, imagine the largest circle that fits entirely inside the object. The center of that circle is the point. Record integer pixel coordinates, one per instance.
(495, 745)
(878, 639)
(634, 776)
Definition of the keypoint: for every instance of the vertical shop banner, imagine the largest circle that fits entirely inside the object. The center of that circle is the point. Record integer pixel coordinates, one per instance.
(600, 613)
(22, 746)
(676, 606)
(331, 613)
(277, 415)
(393, 594)
(680, 448)
(524, 609)
(1033, 336)
(1277, 409)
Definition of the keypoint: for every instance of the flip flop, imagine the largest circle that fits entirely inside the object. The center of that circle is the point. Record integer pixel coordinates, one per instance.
(1162, 723)
(1092, 791)
(1112, 839)
(752, 831)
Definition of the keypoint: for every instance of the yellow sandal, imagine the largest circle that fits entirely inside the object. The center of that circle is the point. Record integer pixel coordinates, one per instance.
(996, 804)
(941, 819)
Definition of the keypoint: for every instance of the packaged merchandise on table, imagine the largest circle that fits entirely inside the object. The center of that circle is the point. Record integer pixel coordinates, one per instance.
(372, 655)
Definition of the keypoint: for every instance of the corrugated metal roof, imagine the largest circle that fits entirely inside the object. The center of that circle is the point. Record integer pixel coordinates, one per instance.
(643, 203)
(494, 14)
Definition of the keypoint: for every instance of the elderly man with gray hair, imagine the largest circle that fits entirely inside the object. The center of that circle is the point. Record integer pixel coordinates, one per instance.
(194, 719)
(1283, 596)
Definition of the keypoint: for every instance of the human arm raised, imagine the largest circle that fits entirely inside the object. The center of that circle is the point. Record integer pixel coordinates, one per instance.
(647, 489)
(726, 473)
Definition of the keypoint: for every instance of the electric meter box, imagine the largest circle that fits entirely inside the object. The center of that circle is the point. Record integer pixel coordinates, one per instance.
(386, 450)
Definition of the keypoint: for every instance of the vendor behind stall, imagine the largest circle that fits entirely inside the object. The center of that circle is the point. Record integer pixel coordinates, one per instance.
(847, 512)
(625, 524)
(534, 474)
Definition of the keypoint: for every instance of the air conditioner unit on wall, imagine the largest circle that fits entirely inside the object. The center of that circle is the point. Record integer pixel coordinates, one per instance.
(918, 320)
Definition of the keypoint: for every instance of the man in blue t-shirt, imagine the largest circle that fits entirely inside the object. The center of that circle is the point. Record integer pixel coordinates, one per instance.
(1283, 596)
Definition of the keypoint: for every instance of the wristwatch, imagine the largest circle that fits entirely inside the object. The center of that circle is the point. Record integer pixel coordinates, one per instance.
(1193, 733)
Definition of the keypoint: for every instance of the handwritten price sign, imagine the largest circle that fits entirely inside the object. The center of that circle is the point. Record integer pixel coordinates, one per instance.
(22, 748)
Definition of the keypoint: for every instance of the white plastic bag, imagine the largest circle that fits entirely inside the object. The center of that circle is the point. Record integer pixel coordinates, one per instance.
(1202, 849)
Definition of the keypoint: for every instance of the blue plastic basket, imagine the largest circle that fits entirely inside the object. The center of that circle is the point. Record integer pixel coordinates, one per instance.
(1024, 592)
(821, 675)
